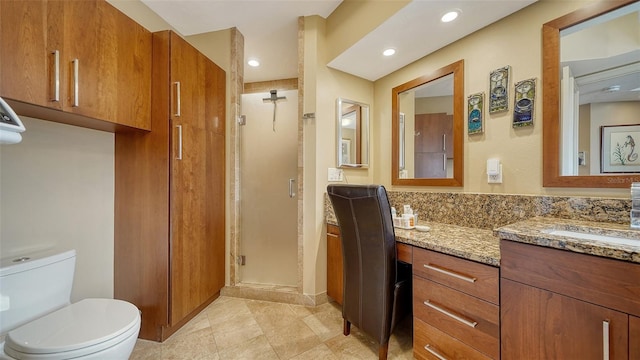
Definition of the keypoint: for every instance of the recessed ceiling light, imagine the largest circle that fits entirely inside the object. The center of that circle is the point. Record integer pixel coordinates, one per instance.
(450, 15)
(253, 62)
(389, 52)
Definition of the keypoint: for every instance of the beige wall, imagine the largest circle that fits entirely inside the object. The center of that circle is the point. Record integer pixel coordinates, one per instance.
(514, 41)
(57, 191)
(320, 145)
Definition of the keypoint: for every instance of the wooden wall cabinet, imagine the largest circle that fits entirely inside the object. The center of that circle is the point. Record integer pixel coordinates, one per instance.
(455, 307)
(170, 220)
(81, 57)
(433, 144)
(563, 305)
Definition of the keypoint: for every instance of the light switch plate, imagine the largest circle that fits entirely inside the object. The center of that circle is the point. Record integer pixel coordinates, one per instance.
(335, 174)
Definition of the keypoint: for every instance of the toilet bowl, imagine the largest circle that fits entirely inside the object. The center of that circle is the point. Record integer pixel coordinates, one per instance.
(43, 325)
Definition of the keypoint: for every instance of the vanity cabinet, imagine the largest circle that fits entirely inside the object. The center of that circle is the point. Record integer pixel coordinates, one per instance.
(565, 305)
(81, 57)
(455, 307)
(334, 264)
(170, 203)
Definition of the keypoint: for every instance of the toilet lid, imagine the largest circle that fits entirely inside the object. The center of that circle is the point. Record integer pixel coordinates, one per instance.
(89, 323)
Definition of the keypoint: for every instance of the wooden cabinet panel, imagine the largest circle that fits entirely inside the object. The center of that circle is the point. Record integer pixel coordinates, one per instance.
(634, 337)
(404, 252)
(26, 60)
(475, 321)
(608, 282)
(467, 276)
(102, 69)
(335, 270)
(170, 186)
(538, 324)
(429, 343)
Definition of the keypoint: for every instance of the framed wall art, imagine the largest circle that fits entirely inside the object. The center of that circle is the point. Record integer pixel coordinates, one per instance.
(524, 102)
(618, 149)
(475, 107)
(499, 90)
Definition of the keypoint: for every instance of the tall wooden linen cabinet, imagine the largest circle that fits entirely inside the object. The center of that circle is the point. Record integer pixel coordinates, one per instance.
(169, 221)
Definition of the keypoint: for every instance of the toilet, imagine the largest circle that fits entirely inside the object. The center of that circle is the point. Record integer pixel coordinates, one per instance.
(37, 320)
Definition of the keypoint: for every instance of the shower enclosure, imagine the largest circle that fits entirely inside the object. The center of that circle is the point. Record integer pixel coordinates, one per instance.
(268, 199)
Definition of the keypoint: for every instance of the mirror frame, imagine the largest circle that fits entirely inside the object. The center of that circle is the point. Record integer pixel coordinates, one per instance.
(457, 69)
(551, 103)
(364, 118)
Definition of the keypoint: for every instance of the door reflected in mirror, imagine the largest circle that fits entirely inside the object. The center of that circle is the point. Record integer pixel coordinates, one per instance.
(427, 129)
(352, 134)
(591, 82)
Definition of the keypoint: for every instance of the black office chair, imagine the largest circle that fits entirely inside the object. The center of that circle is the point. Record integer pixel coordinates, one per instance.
(377, 289)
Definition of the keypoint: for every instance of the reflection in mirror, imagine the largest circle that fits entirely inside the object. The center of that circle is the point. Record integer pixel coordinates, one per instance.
(427, 115)
(352, 134)
(591, 83)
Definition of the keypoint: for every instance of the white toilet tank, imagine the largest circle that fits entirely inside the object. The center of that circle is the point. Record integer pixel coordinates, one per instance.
(34, 284)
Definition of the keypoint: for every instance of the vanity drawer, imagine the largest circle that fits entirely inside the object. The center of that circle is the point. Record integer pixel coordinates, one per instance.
(474, 321)
(429, 341)
(467, 276)
(608, 282)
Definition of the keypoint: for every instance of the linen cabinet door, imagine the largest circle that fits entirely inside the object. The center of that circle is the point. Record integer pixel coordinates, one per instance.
(30, 51)
(539, 324)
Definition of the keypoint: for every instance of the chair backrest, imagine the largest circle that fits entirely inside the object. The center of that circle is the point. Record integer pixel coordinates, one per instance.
(369, 256)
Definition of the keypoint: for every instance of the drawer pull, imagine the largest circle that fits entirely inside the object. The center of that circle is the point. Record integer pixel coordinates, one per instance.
(434, 352)
(333, 235)
(452, 315)
(450, 273)
(605, 340)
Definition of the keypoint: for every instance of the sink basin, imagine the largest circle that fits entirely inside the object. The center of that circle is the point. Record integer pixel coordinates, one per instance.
(596, 237)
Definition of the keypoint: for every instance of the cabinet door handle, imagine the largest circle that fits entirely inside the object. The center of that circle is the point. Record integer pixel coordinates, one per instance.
(177, 98)
(333, 235)
(56, 76)
(179, 127)
(292, 193)
(444, 142)
(434, 352)
(450, 273)
(444, 161)
(76, 81)
(469, 323)
(605, 340)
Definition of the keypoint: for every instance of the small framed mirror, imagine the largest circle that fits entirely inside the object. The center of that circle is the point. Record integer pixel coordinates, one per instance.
(352, 136)
(427, 129)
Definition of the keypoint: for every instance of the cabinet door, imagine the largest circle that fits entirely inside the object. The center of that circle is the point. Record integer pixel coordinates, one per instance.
(538, 324)
(27, 62)
(90, 59)
(334, 264)
(634, 337)
(197, 185)
(133, 73)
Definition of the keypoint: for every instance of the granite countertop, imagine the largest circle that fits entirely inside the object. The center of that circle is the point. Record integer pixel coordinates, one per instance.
(469, 243)
(536, 231)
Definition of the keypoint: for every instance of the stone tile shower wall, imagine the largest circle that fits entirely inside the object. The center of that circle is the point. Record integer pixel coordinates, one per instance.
(488, 211)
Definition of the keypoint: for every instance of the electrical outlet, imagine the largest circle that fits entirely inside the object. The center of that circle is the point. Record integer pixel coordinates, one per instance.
(335, 174)
(495, 178)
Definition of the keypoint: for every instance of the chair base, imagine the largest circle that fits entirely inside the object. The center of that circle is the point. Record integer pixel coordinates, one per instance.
(383, 349)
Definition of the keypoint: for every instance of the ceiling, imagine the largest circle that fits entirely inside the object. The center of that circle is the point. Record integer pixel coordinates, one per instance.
(269, 28)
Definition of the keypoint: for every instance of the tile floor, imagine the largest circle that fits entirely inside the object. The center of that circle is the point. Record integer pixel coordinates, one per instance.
(235, 328)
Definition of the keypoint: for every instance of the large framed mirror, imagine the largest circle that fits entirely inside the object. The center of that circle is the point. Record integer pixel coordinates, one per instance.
(352, 136)
(591, 103)
(427, 129)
